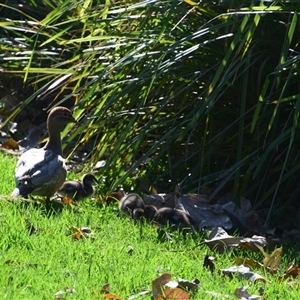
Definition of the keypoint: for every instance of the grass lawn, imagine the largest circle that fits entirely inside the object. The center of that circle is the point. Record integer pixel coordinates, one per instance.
(50, 263)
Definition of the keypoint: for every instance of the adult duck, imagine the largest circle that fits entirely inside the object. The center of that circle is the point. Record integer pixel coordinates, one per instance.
(43, 171)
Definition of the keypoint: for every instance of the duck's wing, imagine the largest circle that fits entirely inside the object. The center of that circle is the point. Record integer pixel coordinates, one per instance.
(39, 171)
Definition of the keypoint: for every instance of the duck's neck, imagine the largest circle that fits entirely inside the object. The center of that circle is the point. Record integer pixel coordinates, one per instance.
(54, 142)
(88, 189)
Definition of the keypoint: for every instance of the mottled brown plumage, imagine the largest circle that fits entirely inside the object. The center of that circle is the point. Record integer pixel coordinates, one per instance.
(42, 171)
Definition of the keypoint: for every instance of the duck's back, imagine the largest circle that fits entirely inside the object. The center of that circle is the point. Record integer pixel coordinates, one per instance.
(39, 172)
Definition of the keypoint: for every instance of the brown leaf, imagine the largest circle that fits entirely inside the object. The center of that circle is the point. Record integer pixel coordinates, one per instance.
(157, 285)
(67, 201)
(175, 294)
(10, 144)
(292, 271)
(248, 262)
(112, 296)
(271, 261)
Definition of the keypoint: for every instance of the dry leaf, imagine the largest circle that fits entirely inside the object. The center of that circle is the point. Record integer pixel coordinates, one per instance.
(158, 285)
(112, 296)
(243, 272)
(175, 294)
(242, 293)
(209, 263)
(10, 144)
(292, 271)
(248, 262)
(67, 201)
(189, 285)
(81, 232)
(271, 261)
(221, 241)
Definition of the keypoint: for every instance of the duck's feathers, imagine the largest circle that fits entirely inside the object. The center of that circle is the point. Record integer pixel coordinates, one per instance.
(39, 171)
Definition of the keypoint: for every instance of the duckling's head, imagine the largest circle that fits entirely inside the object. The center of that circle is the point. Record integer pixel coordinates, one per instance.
(89, 179)
(149, 212)
(137, 213)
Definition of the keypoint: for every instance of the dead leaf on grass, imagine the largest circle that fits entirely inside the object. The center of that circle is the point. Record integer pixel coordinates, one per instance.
(221, 241)
(242, 293)
(112, 296)
(81, 232)
(248, 262)
(161, 293)
(243, 272)
(175, 294)
(188, 285)
(291, 272)
(271, 261)
(158, 285)
(67, 201)
(209, 263)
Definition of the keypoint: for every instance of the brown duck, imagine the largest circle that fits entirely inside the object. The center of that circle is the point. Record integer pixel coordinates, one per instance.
(42, 171)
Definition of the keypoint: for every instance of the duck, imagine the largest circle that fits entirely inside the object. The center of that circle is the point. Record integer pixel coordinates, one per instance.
(177, 219)
(78, 190)
(42, 171)
(138, 214)
(129, 203)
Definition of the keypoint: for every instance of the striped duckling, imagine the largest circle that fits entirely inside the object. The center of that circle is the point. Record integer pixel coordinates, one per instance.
(78, 190)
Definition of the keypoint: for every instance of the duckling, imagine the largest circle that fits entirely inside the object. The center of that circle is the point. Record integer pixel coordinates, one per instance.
(42, 171)
(129, 202)
(177, 219)
(78, 190)
(138, 214)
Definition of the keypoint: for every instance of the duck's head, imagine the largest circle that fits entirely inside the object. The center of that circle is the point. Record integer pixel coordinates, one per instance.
(89, 179)
(59, 117)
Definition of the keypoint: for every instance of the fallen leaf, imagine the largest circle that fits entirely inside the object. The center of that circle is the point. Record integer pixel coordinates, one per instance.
(112, 296)
(81, 232)
(292, 271)
(189, 285)
(242, 293)
(209, 263)
(157, 285)
(248, 262)
(175, 294)
(271, 261)
(10, 144)
(221, 241)
(243, 272)
(67, 201)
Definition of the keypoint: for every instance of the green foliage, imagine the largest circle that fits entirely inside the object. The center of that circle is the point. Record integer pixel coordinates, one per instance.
(201, 94)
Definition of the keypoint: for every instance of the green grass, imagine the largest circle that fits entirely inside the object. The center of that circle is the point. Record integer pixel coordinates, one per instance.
(37, 266)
